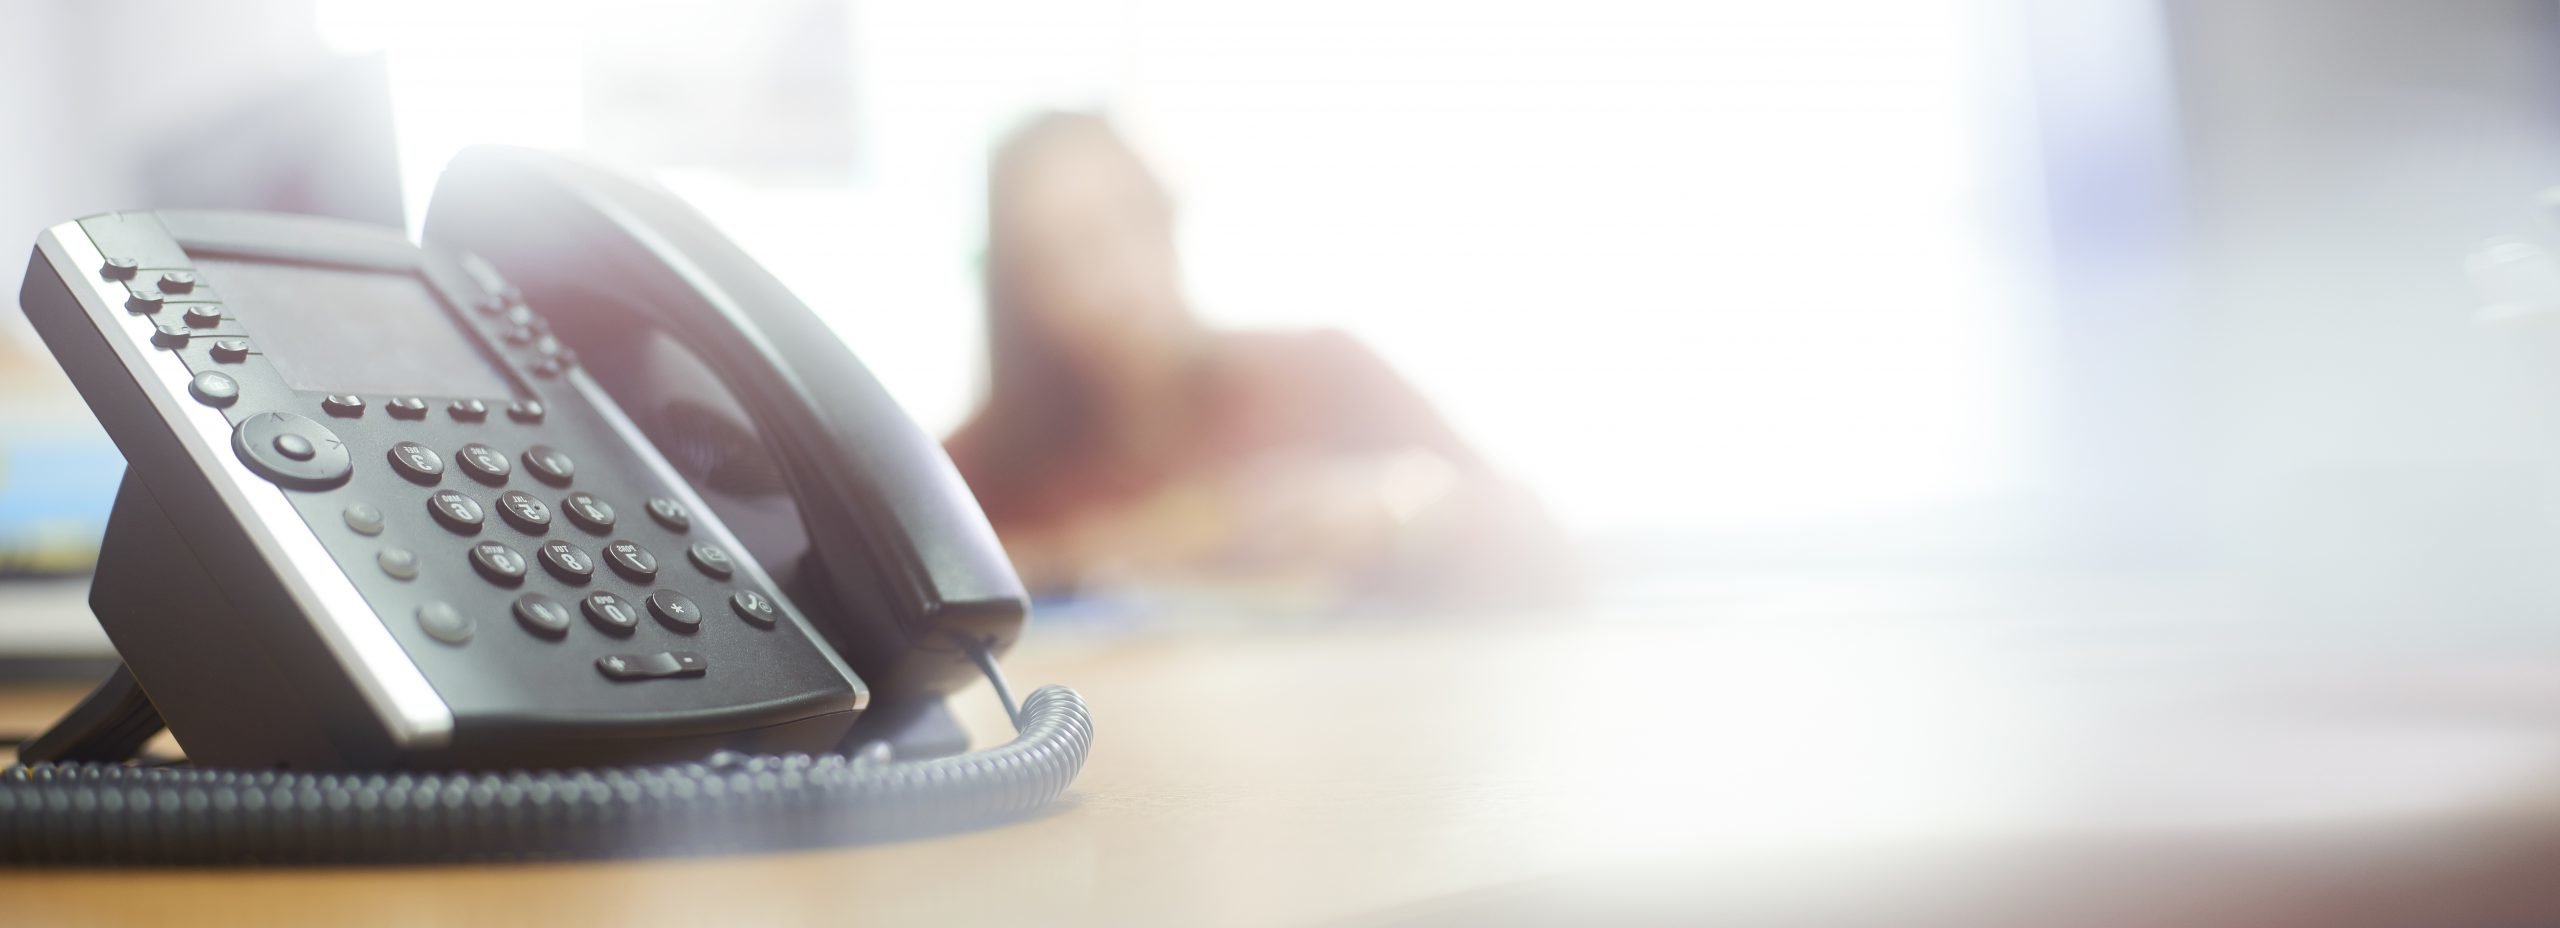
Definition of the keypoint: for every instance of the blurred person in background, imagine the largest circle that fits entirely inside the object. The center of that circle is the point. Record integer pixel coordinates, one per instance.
(1125, 443)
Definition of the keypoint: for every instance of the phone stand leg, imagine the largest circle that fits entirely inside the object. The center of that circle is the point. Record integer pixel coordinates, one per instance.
(109, 726)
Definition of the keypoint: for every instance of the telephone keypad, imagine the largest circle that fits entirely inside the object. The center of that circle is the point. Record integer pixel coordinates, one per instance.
(550, 465)
(485, 464)
(610, 613)
(676, 612)
(455, 511)
(525, 511)
(590, 513)
(566, 561)
(417, 462)
(542, 615)
(631, 560)
(501, 564)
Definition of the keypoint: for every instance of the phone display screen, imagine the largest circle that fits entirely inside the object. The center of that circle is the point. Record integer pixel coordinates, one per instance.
(347, 330)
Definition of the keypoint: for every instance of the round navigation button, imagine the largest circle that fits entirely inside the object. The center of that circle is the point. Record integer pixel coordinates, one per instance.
(550, 464)
(203, 315)
(177, 281)
(567, 561)
(295, 447)
(365, 519)
(711, 559)
(215, 388)
(524, 511)
(542, 615)
(455, 511)
(417, 462)
(670, 513)
(343, 405)
(499, 563)
(610, 613)
(400, 563)
(631, 560)
(758, 609)
(444, 623)
(485, 464)
(119, 268)
(254, 441)
(675, 612)
(231, 350)
(588, 512)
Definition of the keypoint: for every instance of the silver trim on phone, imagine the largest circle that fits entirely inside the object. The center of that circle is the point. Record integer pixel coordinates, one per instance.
(411, 712)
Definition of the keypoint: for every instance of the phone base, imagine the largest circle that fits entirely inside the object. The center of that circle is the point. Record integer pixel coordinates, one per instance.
(913, 731)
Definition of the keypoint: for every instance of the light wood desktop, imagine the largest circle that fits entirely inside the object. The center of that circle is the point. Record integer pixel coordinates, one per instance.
(1917, 757)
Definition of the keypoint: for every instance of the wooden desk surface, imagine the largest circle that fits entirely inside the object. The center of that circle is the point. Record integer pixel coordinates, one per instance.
(1831, 763)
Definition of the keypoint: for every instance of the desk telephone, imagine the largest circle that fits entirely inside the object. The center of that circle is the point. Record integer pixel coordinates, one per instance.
(575, 491)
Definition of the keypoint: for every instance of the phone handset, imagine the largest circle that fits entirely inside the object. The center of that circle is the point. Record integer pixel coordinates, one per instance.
(900, 540)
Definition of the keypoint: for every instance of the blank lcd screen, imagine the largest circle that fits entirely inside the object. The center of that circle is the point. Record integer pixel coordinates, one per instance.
(342, 330)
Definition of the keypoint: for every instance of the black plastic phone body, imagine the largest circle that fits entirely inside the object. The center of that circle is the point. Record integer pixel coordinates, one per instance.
(293, 582)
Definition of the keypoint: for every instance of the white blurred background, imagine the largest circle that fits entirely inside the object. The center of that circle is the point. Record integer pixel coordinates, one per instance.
(1736, 286)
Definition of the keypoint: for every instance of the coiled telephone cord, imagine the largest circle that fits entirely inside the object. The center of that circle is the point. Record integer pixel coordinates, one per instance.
(88, 813)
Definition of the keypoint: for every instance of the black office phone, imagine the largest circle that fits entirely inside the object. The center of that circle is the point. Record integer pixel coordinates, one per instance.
(573, 487)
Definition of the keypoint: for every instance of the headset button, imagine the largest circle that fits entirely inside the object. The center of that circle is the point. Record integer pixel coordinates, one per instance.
(758, 609)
